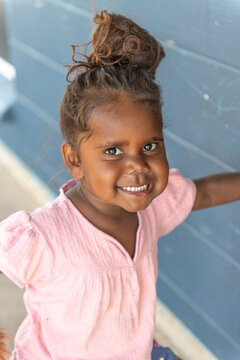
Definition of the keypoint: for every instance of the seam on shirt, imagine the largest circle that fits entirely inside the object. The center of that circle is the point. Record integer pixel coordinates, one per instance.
(120, 268)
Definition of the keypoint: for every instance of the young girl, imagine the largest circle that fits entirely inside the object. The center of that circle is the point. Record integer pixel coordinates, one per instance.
(88, 259)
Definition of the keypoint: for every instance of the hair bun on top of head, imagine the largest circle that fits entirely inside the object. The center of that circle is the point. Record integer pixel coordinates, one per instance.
(117, 40)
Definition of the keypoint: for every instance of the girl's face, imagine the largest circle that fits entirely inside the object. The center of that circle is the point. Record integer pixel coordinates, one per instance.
(123, 165)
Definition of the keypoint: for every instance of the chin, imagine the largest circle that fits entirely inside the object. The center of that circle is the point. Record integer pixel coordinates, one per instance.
(136, 208)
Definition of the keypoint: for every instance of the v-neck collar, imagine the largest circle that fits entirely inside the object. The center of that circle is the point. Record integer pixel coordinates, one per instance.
(131, 261)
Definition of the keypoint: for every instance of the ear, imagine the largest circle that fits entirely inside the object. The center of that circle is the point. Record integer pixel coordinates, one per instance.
(71, 161)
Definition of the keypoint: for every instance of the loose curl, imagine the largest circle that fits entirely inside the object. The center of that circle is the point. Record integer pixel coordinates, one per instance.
(123, 60)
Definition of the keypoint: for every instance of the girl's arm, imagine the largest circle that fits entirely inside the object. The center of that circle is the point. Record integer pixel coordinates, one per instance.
(216, 190)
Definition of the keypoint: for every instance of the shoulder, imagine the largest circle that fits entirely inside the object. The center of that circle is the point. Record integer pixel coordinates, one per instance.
(15, 225)
(175, 203)
(49, 210)
(179, 190)
(22, 249)
(30, 242)
(25, 225)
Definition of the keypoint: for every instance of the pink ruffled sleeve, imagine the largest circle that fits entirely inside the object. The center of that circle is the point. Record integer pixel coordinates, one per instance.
(173, 206)
(23, 253)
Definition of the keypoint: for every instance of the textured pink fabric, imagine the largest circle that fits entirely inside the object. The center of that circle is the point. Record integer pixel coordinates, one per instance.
(86, 298)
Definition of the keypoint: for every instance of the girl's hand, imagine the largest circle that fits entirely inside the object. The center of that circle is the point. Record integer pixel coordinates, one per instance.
(217, 190)
(3, 350)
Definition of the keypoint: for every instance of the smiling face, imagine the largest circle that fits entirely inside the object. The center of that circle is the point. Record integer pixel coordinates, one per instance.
(123, 165)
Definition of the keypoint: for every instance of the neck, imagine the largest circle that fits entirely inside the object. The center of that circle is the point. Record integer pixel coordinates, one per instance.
(88, 204)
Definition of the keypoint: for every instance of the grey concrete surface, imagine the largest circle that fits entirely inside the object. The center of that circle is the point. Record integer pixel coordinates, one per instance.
(13, 197)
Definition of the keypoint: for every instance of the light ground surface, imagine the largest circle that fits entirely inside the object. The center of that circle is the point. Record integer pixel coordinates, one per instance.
(13, 197)
(19, 192)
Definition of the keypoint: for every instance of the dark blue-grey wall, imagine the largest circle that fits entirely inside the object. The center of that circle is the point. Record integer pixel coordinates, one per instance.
(199, 262)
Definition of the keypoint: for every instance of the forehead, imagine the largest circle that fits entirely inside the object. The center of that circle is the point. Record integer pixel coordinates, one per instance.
(125, 120)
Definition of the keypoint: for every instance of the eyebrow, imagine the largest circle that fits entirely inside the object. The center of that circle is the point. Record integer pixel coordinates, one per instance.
(111, 145)
(122, 143)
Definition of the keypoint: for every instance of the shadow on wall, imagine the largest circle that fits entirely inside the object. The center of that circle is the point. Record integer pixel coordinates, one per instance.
(3, 35)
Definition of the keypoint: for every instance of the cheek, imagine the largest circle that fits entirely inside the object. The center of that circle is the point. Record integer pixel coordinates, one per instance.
(110, 170)
(161, 169)
(104, 174)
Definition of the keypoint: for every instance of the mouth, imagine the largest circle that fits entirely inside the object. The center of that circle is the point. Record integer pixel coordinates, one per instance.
(137, 190)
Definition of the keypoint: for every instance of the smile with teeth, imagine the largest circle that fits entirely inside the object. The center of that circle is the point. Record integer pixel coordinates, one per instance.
(135, 189)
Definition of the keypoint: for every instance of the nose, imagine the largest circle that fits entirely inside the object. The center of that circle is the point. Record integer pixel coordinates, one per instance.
(136, 165)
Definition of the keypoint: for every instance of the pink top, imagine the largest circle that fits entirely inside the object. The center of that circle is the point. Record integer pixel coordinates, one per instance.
(86, 298)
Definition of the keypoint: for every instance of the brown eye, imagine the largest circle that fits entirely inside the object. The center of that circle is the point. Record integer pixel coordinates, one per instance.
(113, 151)
(150, 147)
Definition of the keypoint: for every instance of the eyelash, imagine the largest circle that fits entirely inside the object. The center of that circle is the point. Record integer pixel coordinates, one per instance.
(111, 149)
(156, 146)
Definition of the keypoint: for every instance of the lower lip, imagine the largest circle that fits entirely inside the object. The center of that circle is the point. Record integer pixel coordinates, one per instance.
(138, 193)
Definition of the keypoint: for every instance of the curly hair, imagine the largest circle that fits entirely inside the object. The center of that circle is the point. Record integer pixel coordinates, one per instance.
(123, 60)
